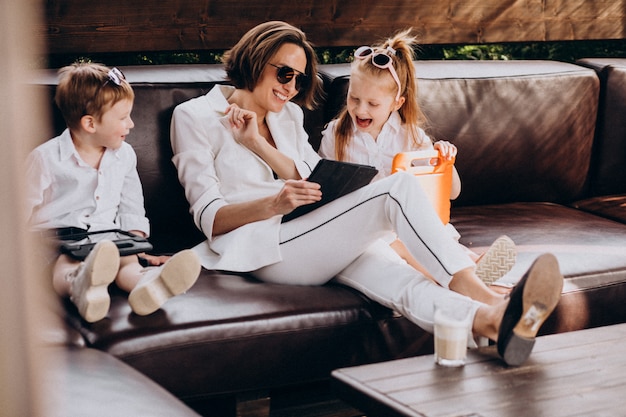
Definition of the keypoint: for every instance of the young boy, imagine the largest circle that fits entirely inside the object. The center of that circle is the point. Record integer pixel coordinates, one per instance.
(86, 179)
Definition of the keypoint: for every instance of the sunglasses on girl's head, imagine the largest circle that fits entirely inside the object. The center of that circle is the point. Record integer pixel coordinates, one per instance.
(285, 74)
(380, 60)
(115, 76)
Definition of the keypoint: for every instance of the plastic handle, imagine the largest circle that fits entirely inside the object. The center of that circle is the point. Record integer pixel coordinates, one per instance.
(420, 162)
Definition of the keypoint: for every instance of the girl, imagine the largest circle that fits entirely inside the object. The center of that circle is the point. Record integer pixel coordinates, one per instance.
(382, 117)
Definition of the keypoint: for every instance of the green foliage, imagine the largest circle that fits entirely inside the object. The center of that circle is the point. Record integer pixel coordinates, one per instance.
(478, 52)
(334, 55)
(139, 58)
(558, 51)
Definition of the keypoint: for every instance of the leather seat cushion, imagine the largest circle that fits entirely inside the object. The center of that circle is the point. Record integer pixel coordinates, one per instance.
(591, 251)
(232, 333)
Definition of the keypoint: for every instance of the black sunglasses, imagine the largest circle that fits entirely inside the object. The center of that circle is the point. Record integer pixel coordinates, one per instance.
(285, 74)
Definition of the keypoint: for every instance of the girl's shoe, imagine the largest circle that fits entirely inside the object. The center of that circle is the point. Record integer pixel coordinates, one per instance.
(497, 261)
(160, 284)
(90, 280)
(531, 302)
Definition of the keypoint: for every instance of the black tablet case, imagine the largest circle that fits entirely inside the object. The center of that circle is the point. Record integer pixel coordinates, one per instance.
(79, 245)
(337, 179)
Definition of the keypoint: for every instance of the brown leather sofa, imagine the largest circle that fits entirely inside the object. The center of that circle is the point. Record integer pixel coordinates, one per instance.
(530, 158)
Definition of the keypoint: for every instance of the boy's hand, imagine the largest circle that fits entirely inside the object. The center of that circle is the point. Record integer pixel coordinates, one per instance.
(153, 260)
(446, 149)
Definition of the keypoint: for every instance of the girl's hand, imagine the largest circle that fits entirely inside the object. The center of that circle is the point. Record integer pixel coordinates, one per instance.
(296, 193)
(244, 126)
(446, 149)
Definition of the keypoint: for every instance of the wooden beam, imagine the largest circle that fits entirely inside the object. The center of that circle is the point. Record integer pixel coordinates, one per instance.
(82, 26)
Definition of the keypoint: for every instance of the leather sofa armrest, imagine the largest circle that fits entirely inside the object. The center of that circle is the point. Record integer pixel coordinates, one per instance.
(87, 382)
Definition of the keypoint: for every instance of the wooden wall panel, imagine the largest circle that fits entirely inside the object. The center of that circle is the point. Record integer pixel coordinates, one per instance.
(162, 25)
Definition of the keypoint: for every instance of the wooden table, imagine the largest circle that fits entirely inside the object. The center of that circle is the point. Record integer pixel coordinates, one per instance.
(580, 373)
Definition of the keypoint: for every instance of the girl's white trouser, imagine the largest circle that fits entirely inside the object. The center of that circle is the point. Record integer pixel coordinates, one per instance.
(343, 239)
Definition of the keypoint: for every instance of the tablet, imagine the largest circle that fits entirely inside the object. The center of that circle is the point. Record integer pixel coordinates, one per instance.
(336, 179)
(79, 245)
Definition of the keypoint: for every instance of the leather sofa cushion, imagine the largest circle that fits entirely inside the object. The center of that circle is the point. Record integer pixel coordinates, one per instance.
(591, 251)
(610, 206)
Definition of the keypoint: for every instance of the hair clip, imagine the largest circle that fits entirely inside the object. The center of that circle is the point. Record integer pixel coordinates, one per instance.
(115, 76)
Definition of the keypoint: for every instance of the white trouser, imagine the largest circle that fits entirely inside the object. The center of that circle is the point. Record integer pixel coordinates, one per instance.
(342, 239)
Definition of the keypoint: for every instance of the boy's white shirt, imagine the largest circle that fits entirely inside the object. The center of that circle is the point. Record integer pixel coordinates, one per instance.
(64, 191)
(364, 149)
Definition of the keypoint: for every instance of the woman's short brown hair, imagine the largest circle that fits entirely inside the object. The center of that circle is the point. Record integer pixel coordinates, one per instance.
(245, 62)
(89, 89)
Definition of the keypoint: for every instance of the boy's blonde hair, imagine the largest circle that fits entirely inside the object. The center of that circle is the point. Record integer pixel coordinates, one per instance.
(89, 89)
(410, 113)
(245, 62)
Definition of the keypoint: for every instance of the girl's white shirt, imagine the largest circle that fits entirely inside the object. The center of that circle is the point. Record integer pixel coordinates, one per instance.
(379, 152)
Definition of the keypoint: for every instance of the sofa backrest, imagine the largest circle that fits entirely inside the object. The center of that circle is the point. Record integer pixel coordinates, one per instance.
(608, 167)
(524, 129)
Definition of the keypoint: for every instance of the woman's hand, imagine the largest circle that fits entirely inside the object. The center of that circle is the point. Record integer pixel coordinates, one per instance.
(244, 126)
(296, 193)
(245, 129)
(446, 149)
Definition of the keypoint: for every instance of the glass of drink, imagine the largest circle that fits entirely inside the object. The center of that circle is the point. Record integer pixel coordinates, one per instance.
(452, 328)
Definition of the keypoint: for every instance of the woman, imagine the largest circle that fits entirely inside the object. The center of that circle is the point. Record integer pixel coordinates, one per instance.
(242, 156)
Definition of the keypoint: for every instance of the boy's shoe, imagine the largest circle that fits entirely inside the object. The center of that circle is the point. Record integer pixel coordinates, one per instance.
(160, 284)
(90, 280)
(497, 261)
(531, 302)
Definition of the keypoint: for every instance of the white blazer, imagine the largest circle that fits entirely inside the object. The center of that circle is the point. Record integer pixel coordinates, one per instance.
(215, 171)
